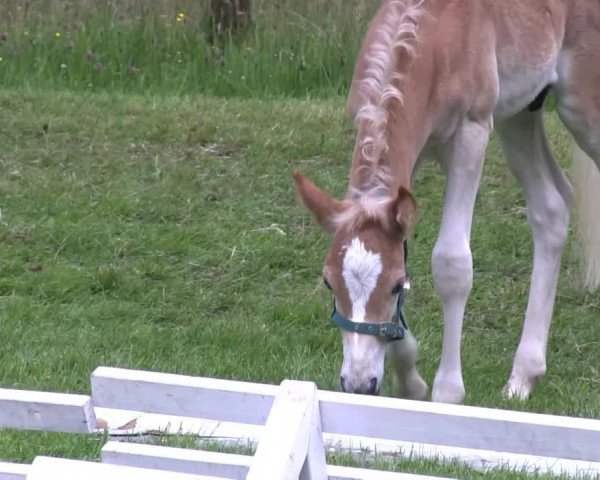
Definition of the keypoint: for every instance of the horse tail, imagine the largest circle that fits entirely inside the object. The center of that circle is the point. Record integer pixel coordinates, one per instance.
(586, 180)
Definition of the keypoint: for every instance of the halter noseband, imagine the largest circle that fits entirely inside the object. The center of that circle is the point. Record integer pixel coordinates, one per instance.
(394, 330)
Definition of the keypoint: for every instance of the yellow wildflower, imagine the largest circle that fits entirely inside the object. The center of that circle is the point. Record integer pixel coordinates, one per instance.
(181, 17)
(57, 34)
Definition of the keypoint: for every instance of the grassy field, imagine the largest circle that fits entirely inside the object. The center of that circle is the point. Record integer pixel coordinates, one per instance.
(295, 48)
(148, 218)
(163, 233)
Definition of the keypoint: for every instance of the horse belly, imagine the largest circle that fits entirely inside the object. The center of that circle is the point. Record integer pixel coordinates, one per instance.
(519, 86)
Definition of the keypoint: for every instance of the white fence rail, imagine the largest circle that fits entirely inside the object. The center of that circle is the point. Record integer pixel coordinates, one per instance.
(234, 467)
(56, 412)
(291, 426)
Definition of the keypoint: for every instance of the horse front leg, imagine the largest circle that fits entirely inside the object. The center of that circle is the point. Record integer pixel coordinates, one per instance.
(452, 263)
(407, 380)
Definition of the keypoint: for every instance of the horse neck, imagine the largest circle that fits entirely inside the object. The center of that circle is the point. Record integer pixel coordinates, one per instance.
(407, 133)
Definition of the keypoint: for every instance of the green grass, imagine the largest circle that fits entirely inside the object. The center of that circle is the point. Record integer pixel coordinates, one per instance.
(163, 233)
(294, 48)
(453, 469)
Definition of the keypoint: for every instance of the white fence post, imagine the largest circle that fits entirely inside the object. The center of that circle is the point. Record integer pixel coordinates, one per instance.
(315, 463)
(285, 445)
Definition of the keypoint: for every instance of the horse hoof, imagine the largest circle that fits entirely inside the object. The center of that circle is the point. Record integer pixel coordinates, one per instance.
(448, 391)
(517, 388)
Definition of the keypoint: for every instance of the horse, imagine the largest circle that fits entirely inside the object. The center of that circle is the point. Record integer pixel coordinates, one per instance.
(436, 77)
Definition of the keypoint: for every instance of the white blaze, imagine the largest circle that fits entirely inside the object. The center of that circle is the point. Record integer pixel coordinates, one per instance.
(360, 271)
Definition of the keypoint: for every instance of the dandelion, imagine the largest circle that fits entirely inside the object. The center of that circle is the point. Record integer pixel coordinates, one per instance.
(181, 17)
(57, 34)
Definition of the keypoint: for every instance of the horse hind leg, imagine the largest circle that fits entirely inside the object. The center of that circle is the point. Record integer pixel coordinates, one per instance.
(548, 196)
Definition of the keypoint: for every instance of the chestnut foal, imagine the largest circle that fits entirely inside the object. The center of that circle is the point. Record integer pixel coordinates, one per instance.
(437, 76)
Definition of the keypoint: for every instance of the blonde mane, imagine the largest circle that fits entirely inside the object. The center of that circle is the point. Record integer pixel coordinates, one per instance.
(379, 88)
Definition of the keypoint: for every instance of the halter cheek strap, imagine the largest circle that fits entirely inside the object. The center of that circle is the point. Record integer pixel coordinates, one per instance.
(394, 330)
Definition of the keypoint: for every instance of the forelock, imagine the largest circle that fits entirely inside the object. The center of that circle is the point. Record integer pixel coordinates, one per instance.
(363, 209)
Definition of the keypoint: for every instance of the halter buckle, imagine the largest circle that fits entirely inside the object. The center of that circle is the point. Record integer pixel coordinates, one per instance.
(392, 331)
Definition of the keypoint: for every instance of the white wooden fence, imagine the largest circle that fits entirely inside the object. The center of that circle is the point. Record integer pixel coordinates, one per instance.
(291, 427)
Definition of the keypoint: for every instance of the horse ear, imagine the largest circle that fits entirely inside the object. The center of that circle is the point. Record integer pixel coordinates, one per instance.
(404, 210)
(322, 205)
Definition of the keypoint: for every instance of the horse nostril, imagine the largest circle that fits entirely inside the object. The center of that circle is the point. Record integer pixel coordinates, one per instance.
(343, 382)
(373, 386)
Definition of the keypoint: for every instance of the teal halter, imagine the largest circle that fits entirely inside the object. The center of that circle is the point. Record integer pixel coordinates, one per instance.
(394, 330)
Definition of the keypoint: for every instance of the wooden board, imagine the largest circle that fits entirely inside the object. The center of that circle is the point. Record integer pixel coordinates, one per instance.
(182, 395)
(196, 462)
(55, 412)
(13, 471)
(315, 465)
(236, 434)
(49, 468)
(283, 448)
(461, 426)
(234, 467)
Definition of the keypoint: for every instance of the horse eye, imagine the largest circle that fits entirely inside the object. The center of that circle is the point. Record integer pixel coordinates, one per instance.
(326, 283)
(397, 288)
